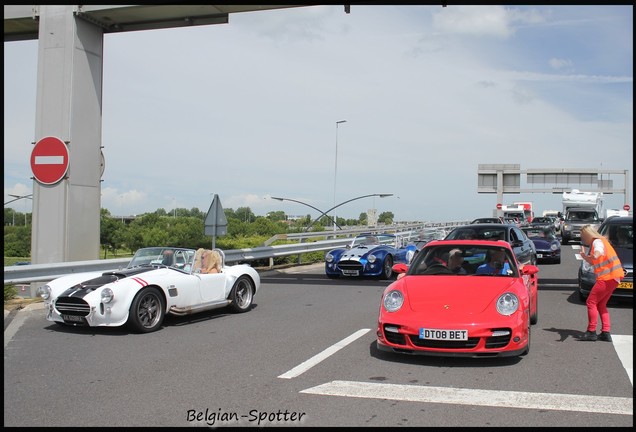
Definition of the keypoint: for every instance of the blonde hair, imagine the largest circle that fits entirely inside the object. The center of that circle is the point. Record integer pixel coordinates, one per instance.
(212, 262)
(196, 265)
(591, 231)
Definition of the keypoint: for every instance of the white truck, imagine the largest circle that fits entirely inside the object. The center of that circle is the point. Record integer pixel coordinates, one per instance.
(580, 208)
(515, 211)
(615, 212)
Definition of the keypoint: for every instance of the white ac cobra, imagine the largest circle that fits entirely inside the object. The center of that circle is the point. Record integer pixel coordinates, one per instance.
(141, 294)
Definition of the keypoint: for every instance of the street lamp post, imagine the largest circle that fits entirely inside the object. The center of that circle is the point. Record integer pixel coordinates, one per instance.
(345, 202)
(322, 213)
(335, 176)
(19, 197)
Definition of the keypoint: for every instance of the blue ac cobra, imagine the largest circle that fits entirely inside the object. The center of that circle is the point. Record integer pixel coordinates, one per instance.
(369, 255)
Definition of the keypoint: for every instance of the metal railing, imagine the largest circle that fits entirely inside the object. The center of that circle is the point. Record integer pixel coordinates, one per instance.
(25, 274)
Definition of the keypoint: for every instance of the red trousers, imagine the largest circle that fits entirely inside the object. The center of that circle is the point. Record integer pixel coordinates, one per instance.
(597, 304)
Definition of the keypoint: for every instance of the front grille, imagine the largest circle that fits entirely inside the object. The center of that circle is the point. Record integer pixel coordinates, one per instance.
(394, 338)
(498, 341)
(72, 306)
(425, 343)
(492, 342)
(350, 265)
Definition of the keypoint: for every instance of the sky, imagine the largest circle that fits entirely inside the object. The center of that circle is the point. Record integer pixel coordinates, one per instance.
(249, 110)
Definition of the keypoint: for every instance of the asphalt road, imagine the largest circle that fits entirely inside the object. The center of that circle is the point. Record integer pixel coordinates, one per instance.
(305, 356)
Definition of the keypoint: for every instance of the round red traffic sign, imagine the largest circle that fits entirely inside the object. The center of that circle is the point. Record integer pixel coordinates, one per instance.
(498, 206)
(626, 207)
(49, 160)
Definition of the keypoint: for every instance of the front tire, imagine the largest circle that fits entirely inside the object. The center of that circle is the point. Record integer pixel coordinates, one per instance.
(242, 294)
(534, 318)
(147, 311)
(527, 350)
(387, 268)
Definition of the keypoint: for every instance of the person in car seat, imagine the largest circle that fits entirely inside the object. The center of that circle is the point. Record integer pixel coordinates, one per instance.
(211, 262)
(455, 261)
(497, 263)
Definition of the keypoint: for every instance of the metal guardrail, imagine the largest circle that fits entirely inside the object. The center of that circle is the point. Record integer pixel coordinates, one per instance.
(25, 274)
(46, 272)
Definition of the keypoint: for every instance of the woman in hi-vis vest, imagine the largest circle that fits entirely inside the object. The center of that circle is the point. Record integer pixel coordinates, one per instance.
(609, 272)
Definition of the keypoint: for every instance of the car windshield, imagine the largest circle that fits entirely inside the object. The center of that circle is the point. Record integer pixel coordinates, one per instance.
(540, 233)
(431, 234)
(582, 216)
(485, 220)
(177, 258)
(373, 240)
(464, 260)
(477, 233)
(620, 235)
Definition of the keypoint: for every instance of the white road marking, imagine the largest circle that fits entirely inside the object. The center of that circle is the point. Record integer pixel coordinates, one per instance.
(306, 365)
(577, 255)
(449, 395)
(624, 346)
(13, 327)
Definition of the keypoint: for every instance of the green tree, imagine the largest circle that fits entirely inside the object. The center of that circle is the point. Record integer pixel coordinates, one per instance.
(244, 214)
(277, 216)
(109, 232)
(386, 217)
(17, 241)
(266, 227)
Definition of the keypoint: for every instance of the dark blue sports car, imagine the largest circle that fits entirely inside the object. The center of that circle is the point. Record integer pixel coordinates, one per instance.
(371, 255)
(545, 242)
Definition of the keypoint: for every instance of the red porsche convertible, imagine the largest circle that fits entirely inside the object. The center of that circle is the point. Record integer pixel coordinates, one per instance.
(468, 298)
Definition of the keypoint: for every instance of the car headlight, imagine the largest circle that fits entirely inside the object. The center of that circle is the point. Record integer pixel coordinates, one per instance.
(329, 258)
(371, 258)
(507, 304)
(393, 301)
(44, 291)
(107, 295)
(553, 247)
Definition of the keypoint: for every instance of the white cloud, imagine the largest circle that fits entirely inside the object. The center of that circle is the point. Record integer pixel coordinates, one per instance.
(248, 110)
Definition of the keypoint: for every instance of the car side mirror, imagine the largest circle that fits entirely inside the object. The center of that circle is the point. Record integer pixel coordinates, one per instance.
(529, 269)
(400, 268)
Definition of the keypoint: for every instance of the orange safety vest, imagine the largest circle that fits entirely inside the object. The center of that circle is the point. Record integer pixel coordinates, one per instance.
(608, 266)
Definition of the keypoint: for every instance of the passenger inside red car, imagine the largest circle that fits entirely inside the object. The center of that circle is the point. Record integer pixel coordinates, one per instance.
(497, 263)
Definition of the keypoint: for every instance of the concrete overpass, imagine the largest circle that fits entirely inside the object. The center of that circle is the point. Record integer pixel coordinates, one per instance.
(66, 212)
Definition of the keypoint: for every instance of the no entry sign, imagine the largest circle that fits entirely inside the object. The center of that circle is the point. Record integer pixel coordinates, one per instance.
(49, 160)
